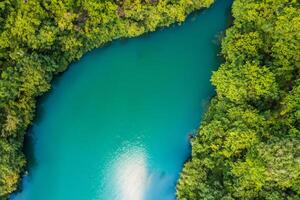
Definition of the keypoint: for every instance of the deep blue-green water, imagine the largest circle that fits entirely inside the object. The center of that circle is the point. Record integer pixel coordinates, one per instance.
(115, 126)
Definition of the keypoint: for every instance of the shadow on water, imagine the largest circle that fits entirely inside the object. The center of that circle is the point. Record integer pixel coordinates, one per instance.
(29, 150)
(162, 181)
(218, 38)
(30, 138)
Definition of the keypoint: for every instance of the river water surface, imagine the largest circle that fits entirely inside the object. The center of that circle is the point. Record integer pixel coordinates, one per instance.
(115, 126)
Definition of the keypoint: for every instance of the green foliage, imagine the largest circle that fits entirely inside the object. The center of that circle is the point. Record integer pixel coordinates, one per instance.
(40, 38)
(258, 82)
(248, 146)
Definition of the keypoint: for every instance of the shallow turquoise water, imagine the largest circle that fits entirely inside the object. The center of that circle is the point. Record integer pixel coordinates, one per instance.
(116, 124)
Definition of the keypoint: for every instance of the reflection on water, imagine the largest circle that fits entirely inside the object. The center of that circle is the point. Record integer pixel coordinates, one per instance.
(130, 177)
(133, 179)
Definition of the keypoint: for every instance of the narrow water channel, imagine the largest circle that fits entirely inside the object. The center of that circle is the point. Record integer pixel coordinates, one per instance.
(115, 126)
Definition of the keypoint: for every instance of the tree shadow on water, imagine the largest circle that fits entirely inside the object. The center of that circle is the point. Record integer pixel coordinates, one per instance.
(31, 137)
(29, 149)
(160, 185)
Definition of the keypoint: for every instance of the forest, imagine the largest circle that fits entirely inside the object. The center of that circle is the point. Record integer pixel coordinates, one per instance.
(248, 145)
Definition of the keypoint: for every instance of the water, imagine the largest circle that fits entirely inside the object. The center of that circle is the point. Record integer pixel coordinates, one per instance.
(115, 125)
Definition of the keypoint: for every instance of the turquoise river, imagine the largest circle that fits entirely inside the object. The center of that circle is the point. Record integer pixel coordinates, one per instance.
(115, 125)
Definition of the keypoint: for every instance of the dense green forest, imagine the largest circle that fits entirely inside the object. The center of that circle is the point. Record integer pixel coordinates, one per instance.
(248, 146)
(40, 38)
